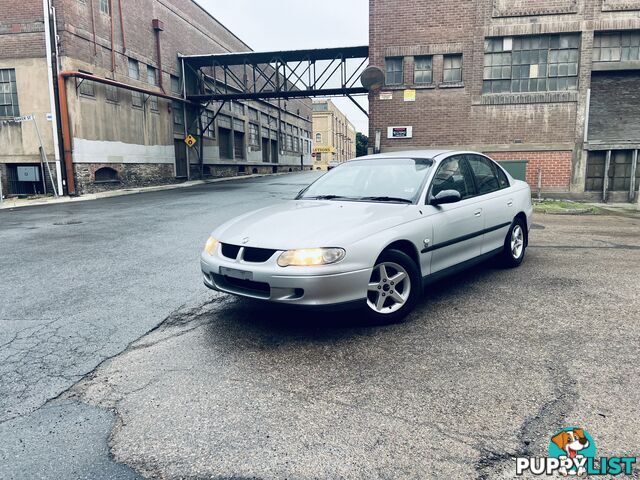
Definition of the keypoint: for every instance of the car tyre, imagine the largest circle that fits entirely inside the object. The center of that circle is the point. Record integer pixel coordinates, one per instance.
(515, 244)
(394, 288)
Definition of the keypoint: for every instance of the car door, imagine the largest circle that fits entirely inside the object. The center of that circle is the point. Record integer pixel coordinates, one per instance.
(457, 227)
(496, 200)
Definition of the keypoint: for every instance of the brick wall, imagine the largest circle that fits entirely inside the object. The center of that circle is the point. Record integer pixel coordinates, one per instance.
(21, 29)
(555, 167)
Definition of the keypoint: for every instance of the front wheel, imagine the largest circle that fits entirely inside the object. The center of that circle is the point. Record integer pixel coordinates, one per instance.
(515, 244)
(394, 287)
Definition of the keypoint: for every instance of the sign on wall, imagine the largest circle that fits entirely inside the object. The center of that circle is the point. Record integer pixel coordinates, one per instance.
(323, 149)
(400, 132)
(28, 174)
(409, 95)
(386, 95)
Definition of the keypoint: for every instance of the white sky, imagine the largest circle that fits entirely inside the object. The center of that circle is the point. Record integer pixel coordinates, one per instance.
(267, 25)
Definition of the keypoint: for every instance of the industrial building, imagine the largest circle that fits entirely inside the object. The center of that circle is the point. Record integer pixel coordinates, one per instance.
(103, 82)
(550, 88)
(334, 136)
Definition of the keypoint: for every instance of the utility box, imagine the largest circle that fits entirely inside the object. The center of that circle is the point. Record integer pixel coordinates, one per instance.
(28, 174)
(516, 168)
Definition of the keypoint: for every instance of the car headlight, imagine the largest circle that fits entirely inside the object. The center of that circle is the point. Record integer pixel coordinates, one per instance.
(211, 245)
(307, 257)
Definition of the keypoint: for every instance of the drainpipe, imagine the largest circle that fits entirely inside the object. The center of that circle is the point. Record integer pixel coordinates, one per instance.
(52, 95)
(158, 27)
(66, 135)
(113, 52)
(93, 29)
(124, 41)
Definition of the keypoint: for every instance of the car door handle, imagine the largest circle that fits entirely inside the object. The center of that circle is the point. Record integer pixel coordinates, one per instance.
(510, 203)
(478, 212)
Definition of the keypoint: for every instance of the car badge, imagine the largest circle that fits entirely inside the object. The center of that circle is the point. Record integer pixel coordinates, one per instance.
(245, 240)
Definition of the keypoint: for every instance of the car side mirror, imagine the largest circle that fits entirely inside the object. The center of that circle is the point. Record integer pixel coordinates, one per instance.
(446, 196)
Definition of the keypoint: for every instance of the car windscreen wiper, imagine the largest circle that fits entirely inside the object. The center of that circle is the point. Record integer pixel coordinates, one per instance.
(386, 199)
(324, 197)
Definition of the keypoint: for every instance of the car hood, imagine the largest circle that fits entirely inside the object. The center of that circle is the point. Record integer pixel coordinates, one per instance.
(312, 223)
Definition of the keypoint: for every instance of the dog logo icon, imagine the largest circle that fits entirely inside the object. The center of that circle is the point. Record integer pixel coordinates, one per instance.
(574, 444)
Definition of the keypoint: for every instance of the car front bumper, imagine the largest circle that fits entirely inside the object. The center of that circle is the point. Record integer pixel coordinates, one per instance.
(310, 286)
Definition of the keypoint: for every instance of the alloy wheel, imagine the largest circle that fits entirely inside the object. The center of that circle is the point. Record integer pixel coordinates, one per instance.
(517, 242)
(389, 288)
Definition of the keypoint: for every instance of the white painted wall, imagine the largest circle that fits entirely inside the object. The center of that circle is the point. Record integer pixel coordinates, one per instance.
(102, 151)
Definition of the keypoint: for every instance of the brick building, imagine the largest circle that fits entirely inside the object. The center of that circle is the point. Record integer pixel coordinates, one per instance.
(121, 106)
(334, 135)
(551, 85)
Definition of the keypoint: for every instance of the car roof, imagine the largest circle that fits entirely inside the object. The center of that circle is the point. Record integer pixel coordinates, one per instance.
(430, 154)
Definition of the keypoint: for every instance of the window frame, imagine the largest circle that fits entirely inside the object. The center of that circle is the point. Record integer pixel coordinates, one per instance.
(130, 63)
(492, 166)
(10, 73)
(388, 61)
(318, 137)
(465, 169)
(103, 6)
(450, 56)
(416, 70)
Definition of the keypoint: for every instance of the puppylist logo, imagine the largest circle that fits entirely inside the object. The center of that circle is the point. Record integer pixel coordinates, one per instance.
(572, 451)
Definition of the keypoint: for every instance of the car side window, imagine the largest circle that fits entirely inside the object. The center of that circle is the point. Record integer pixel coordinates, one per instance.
(486, 180)
(452, 175)
(502, 177)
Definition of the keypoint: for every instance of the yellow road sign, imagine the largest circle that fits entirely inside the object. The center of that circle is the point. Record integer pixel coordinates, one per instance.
(190, 140)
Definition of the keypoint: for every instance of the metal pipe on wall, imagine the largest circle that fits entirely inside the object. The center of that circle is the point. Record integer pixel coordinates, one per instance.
(124, 41)
(52, 94)
(113, 51)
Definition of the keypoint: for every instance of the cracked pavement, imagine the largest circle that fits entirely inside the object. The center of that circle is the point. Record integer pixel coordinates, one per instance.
(489, 366)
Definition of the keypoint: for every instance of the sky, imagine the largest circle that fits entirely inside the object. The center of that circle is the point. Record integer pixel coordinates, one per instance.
(267, 25)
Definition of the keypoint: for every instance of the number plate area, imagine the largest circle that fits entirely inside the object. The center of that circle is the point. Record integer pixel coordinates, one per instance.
(234, 273)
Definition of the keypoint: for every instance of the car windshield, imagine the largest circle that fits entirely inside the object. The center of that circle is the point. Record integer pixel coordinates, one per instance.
(379, 180)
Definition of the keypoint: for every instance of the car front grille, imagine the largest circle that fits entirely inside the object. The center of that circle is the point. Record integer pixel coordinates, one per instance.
(257, 255)
(250, 254)
(230, 251)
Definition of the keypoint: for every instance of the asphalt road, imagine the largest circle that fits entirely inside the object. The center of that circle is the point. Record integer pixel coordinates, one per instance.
(488, 367)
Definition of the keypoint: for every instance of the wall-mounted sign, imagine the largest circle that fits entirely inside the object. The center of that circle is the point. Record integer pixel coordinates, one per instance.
(399, 132)
(323, 149)
(386, 95)
(409, 95)
(24, 118)
(190, 140)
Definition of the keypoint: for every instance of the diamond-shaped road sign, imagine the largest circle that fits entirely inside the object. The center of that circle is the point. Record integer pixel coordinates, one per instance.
(190, 140)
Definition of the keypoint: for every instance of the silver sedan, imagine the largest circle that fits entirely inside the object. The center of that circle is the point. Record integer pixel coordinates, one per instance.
(373, 232)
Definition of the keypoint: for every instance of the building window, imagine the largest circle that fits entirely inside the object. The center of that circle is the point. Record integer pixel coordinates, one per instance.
(208, 124)
(104, 6)
(87, 87)
(237, 108)
(8, 93)
(616, 47)
(136, 99)
(318, 138)
(178, 116)
(452, 72)
(320, 107)
(535, 63)
(423, 70)
(134, 69)
(151, 76)
(175, 84)
(253, 114)
(111, 93)
(254, 135)
(394, 68)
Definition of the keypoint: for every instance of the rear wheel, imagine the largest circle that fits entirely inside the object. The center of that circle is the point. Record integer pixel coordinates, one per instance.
(394, 287)
(515, 244)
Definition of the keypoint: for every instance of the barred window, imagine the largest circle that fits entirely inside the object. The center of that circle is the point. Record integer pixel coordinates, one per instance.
(136, 99)
(253, 134)
(175, 84)
(452, 68)
(87, 87)
(394, 71)
(112, 93)
(178, 115)
(616, 46)
(8, 93)
(534, 63)
(423, 70)
(134, 69)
